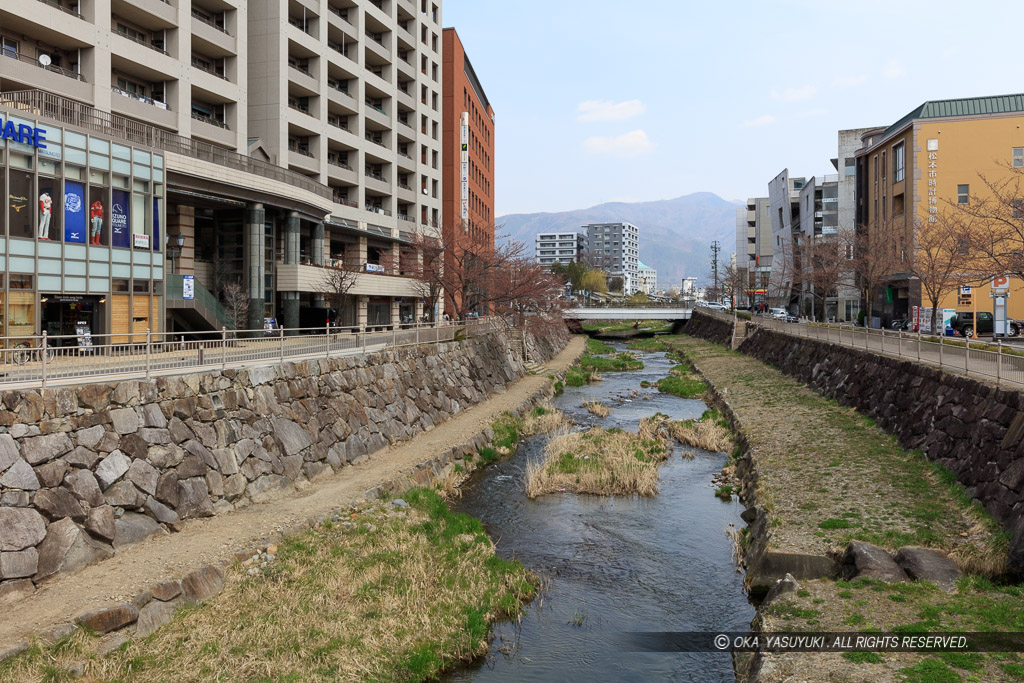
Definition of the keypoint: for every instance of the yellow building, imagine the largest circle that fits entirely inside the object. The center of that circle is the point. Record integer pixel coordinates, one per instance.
(920, 168)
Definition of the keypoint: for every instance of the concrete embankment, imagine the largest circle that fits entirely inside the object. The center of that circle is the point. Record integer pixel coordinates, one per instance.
(86, 471)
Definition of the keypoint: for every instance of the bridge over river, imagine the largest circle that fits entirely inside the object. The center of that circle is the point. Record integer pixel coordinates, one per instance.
(677, 310)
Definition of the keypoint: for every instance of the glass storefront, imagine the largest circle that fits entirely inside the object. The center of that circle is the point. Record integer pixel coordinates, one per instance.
(80, 213)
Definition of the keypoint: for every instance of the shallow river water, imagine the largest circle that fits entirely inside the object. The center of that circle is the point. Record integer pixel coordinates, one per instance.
(613, 564)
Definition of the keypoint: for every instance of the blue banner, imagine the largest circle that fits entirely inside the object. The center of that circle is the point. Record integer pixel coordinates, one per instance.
(156, 224)
(120, 220)
(74, 212)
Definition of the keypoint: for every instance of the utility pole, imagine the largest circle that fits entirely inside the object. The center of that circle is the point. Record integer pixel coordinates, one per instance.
(715, 248)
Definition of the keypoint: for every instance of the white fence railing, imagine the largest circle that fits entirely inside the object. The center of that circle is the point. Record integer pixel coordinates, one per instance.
(993, 360)
(47, 359)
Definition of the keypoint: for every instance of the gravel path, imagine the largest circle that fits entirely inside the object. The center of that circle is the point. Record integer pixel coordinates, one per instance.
(217, 539)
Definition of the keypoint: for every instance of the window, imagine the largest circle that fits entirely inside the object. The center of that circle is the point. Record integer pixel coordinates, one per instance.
(884, 169)
(1018, 209)
(1018, 157)
(898, 162)
(9, 47)
(963, 194)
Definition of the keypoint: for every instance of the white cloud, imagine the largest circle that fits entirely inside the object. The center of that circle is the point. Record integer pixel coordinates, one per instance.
(805, 92)
(811, 113)
(628, 144)
(606, 110)
(765, 120)
(894, 69)
(849, 81)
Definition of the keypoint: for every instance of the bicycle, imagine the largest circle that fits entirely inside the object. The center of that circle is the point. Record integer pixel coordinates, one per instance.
(24, 352)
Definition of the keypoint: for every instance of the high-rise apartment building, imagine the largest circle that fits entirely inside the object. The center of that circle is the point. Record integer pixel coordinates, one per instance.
(559, 247)
(754, 247)
(615, 248)
(467, 156)
(207, 142)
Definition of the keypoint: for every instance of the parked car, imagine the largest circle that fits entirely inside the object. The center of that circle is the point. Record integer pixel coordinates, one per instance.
(715, 306)
(963, 324)
(778, 313)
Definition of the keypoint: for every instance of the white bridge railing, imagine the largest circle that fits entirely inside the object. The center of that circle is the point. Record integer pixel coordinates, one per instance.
(46, 359)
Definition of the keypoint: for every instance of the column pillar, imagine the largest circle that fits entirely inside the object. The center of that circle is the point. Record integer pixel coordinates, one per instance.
(316, 244)
(255, 263)
(361, 304)
(290, 300)
(291, 238)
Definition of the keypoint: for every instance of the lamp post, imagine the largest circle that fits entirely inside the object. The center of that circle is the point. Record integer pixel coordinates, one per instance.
(174, 246)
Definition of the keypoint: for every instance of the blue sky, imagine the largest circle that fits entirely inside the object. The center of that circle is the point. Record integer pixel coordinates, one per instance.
(600, 101)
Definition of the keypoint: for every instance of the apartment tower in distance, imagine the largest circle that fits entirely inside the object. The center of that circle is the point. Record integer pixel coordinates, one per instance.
(559, 247)
(210, 142)
(468, 156)
(615, 249)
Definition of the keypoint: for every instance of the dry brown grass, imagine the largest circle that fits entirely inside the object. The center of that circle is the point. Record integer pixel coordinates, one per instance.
(606, 462)
(708, 433)
(543, 419)
(386, 595)
(597, 408)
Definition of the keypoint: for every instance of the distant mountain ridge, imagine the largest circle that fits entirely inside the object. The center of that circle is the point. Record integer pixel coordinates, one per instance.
(675, 234)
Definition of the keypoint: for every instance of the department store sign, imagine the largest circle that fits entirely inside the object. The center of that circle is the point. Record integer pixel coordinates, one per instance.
(26, 135)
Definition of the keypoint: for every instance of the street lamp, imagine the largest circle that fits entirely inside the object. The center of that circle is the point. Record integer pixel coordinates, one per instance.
(174, 246)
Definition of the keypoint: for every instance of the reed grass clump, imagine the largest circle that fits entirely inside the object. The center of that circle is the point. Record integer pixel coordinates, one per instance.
(600, 461)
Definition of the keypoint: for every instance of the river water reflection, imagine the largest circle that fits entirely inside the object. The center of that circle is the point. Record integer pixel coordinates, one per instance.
(613, 564)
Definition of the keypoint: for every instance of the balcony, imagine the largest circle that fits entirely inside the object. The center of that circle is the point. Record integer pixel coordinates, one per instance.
(303, 78)
(140, 41)
(212, 129)
(211, 38)
(376, 45)
(143, 109)
(378, 182)
(377, 115)
(339, 170)
(379, 142)
(153, 15)
(20, 67)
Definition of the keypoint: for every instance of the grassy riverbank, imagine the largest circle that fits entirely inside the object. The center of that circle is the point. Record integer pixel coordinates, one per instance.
(383, 593)
(828, 475)
(606, 462)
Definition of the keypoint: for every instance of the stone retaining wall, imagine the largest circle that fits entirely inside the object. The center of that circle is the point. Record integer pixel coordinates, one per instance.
(86, 470)
(704, 326)
(973, 429)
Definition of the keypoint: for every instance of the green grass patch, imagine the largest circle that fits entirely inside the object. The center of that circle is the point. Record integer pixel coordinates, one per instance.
(619, 362)
(691, 387)
(863, 657)
(596, 346)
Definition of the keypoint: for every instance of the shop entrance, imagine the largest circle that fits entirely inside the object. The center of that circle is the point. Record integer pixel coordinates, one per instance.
(75, 318)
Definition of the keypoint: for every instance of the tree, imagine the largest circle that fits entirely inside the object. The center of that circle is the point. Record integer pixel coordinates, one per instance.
(996, 225)
(828, 266)
(428, 272)
(336, 280)
(236, 302)
(594, 280)
(942, 255)
(784, 275)
(880, 254)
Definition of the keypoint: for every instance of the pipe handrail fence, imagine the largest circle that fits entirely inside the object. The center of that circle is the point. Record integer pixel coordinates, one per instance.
(990, 360)
(44, 360)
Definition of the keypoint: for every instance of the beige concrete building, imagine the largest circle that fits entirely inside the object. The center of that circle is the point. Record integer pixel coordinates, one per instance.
(219, 141)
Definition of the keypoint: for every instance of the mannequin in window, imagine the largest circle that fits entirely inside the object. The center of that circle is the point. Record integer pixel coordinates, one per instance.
(45, 204)
(96, 217)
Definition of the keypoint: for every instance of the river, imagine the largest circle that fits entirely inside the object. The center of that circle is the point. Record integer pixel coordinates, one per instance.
(613, 564)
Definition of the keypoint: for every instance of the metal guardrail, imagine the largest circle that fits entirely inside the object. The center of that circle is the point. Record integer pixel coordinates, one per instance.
(42, 361)
(995, 360)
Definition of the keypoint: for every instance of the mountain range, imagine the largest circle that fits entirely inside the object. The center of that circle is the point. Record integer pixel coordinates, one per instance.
(675, 234)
